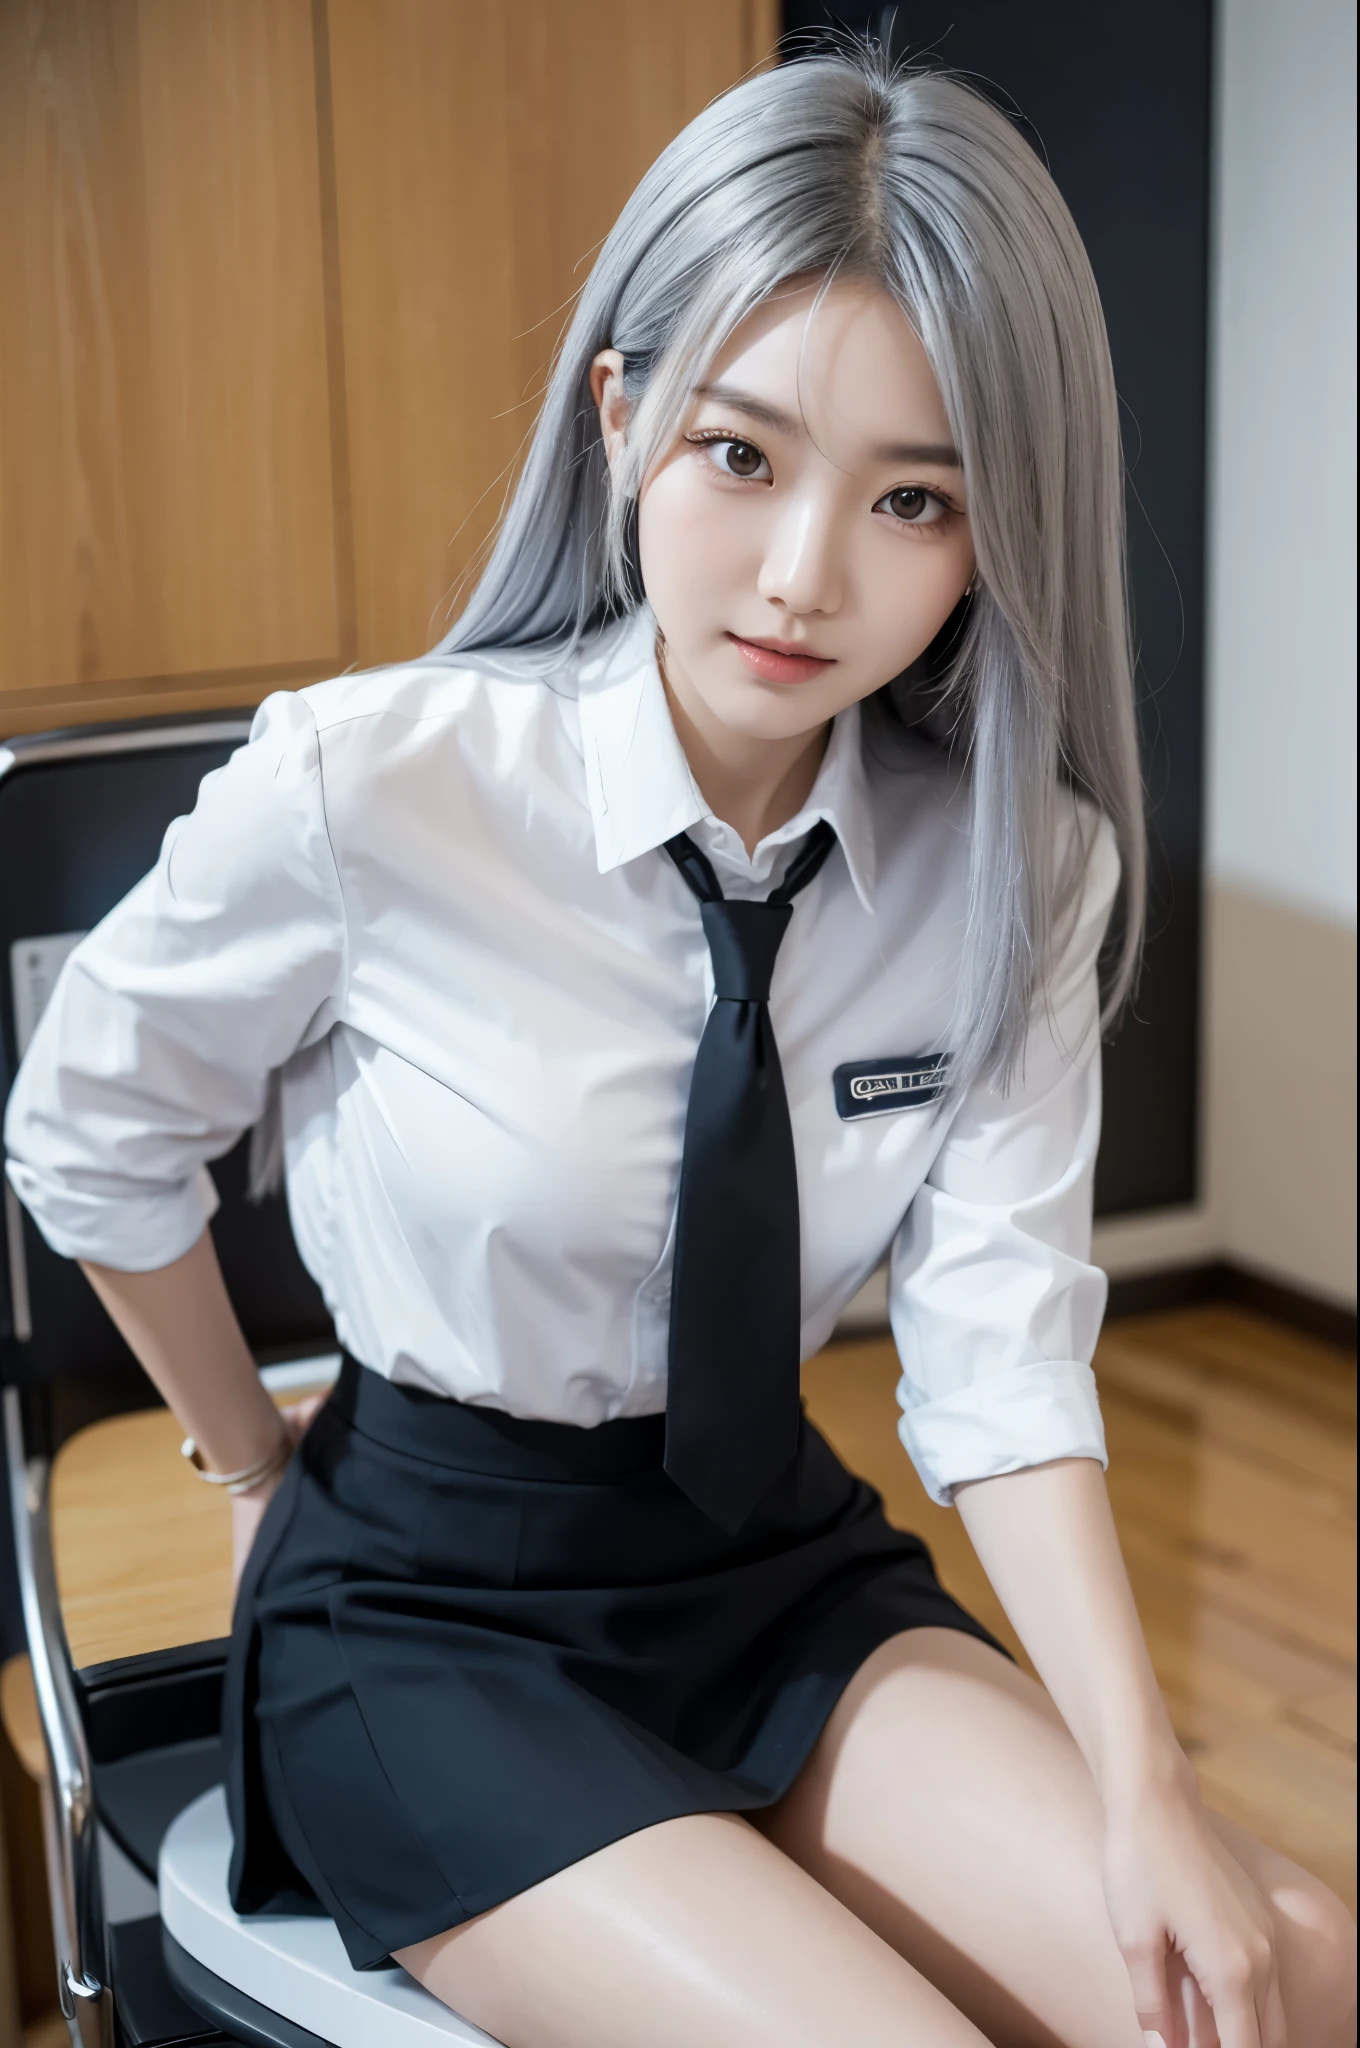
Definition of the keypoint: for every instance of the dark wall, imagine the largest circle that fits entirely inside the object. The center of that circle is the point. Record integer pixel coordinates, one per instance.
(1116, 99)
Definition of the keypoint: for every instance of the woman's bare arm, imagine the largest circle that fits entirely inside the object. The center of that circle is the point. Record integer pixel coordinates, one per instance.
(1047, 1540)
(181, 1326)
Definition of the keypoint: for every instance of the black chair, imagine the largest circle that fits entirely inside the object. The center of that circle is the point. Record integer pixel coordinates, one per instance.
(132, 1745)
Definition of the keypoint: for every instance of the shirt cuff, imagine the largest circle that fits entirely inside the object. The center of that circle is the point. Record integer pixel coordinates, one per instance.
(131, 1233)
(1006, 1423)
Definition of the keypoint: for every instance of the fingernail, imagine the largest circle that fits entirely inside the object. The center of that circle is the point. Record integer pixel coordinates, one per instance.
(1152, 2039)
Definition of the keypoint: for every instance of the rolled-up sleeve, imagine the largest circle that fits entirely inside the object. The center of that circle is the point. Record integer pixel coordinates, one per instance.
(994, 1302)
(155, 1050)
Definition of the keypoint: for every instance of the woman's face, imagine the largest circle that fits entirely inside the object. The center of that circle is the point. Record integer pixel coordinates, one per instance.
(806, 535)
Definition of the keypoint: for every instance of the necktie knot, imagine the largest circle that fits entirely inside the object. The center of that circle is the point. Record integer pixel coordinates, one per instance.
(743, 940)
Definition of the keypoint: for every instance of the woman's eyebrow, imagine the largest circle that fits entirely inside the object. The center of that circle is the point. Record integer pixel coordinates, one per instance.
(754, 408)
(939, 454)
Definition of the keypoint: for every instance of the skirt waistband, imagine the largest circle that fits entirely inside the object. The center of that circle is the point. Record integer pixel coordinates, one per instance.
(443, 1431)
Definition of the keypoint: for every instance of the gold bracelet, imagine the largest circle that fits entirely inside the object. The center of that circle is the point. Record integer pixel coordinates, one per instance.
(249, 1475)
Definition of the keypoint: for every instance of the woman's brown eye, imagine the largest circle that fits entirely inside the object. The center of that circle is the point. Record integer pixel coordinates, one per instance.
(909, 504)
(742, 458)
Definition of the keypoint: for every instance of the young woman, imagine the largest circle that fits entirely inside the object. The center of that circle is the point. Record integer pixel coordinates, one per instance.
(718, 910)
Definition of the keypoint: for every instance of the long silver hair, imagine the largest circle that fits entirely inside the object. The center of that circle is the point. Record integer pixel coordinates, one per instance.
(842, 166)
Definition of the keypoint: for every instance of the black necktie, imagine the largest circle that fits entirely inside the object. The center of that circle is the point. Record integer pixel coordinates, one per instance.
(732, 1399)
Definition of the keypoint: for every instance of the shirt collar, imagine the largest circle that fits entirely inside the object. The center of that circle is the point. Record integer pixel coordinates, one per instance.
(841, 796)
(641, 790)
(640, 786)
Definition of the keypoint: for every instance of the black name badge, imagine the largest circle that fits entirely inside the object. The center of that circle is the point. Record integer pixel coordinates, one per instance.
(874, 1087)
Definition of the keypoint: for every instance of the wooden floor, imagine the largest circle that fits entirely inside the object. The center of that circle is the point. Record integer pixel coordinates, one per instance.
(1232, 1472)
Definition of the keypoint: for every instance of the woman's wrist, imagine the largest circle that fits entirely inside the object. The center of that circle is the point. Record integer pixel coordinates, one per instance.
(1147, 1777)
(263, 1488)
(1131, 1747)
(246, 1459)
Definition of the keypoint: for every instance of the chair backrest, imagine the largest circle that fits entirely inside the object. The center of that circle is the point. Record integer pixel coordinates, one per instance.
(82, 816)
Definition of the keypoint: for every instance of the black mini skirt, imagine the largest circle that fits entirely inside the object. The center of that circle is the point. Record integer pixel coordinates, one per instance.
(470, 1650)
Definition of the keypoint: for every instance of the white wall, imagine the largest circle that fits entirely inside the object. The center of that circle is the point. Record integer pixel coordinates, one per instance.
(1281, 862)
(1282, 484)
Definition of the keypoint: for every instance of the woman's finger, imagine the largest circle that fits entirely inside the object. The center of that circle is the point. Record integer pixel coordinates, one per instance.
(1273, 2033)
(1232, 1991)
(1192, 2008)
(1145, 1959)
(298, 1416)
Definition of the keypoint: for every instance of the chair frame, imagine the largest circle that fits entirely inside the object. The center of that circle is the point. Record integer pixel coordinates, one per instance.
(70, 1827)
(70, 1815)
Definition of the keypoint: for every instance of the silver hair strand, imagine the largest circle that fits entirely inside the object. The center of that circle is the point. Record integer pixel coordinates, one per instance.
(842, 165)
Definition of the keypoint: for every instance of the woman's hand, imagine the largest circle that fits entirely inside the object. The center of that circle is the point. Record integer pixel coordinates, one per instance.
(247, 1509)
(1193, 1930)
(1195, 1934)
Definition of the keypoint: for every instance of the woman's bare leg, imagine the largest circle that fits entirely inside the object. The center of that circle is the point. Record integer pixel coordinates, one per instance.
(1314, 1938)
(948, 1807)
(696, 1931)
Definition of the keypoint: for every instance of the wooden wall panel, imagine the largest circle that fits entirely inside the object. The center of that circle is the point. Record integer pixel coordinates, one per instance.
(482, 153)
(165, 462)
(423, 155)
(279, 282)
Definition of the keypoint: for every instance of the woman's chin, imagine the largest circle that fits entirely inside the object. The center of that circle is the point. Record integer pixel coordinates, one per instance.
(767, 711)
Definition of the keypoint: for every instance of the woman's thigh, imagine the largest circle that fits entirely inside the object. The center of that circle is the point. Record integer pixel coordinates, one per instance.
(948, 1807)
(698, 1930)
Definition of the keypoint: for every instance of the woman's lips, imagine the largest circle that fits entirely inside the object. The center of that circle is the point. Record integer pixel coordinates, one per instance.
(777, 664)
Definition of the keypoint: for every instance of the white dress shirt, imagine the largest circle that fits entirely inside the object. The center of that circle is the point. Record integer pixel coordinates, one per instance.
(436, 898)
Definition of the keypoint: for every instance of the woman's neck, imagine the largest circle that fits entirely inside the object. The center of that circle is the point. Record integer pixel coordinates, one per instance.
(754, 785)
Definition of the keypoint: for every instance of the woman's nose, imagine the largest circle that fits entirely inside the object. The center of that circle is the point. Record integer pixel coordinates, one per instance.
(802, 566)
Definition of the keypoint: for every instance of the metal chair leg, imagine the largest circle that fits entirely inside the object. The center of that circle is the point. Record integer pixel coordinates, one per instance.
(68, 1805)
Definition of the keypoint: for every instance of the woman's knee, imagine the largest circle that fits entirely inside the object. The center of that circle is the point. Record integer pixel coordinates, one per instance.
(1316, 1944)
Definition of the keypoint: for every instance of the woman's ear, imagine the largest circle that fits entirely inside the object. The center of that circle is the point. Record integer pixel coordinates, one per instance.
(606, 388)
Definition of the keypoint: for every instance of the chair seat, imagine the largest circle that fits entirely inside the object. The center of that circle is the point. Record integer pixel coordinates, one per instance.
(293, 1966)
(139, 1796)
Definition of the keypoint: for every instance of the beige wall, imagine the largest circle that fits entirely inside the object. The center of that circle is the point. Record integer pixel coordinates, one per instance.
(1281, 1099)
